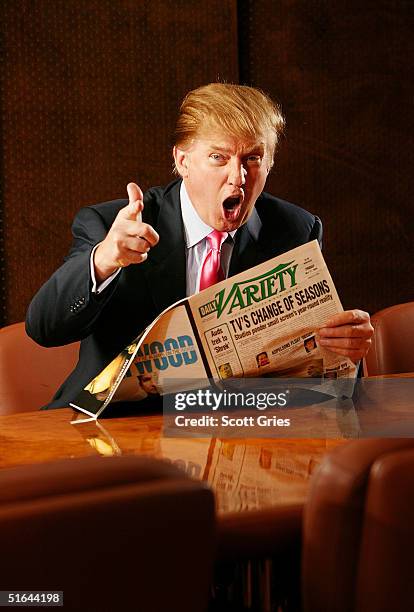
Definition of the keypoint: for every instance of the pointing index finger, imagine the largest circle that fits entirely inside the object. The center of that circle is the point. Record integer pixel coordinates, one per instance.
(135, 196)
(134, 192)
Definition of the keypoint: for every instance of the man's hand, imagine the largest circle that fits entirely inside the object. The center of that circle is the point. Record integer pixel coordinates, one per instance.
(129, 239)
(348, 333)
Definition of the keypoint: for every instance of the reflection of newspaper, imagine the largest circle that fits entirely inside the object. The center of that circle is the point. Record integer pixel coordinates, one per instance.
(262, 322)
(248, 477)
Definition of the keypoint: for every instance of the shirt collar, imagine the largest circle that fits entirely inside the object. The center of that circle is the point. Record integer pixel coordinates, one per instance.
(195, 229)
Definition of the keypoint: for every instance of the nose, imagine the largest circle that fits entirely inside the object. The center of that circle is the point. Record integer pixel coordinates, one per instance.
(237, 174)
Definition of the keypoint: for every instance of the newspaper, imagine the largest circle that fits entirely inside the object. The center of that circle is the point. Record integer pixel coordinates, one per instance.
(261, 322)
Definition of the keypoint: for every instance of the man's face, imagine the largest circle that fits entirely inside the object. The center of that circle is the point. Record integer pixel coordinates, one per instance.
(148, 384)
(262, 359)
(226, 371)
(223, 177)
(310, 344)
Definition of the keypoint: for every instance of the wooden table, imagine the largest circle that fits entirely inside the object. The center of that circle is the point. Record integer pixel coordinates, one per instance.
(252, 478)
(260, 485)
(247, 474)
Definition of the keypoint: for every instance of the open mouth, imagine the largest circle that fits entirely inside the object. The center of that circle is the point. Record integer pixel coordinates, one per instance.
(232, 206)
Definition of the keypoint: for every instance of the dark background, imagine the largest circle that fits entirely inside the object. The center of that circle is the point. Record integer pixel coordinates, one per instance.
(89, 95)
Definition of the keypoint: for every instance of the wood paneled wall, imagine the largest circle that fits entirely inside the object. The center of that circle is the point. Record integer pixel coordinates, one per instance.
(91, 88)
(343, 72)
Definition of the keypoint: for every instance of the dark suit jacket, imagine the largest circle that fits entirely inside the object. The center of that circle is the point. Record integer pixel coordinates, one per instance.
(65, 309)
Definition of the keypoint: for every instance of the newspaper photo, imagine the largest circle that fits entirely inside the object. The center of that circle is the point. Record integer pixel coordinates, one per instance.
(262, 322)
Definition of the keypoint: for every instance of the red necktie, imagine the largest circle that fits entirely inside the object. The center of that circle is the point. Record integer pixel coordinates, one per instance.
(211, 272)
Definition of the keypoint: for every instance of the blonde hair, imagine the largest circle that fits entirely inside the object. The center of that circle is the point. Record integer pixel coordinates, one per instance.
(238, 110)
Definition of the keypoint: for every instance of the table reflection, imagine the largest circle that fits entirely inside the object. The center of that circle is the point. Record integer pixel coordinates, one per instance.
(246, 474)
(250, 473)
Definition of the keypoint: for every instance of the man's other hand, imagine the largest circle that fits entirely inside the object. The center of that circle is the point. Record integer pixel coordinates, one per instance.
(348, 333)
(129, 239)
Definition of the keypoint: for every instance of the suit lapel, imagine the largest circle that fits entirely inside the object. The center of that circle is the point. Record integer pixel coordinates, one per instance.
(247, 251)
(166, 266)
(165, 269)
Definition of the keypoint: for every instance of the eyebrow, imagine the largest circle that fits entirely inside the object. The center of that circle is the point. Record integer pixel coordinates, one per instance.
(259, 148)
(219, 148)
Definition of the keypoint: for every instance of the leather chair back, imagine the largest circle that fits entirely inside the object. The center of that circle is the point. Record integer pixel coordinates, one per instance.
(118, 533)
(335, 531)
(30, 374)
(386, 561)
(392, 350)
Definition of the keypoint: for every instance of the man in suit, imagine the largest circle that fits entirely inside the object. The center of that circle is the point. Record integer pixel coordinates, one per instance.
(132, 258)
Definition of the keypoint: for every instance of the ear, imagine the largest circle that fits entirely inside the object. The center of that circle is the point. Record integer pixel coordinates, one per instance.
(181, 159)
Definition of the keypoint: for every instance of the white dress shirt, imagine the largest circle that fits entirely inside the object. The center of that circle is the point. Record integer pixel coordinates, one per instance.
(197, 247)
